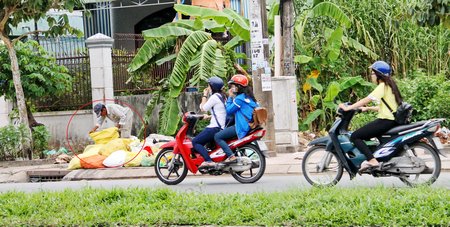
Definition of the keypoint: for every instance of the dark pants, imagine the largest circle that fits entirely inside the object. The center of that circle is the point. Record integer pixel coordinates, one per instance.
(371, 130)
(204, 137)
(222, 137)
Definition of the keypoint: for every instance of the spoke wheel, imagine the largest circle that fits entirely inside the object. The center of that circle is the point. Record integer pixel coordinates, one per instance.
(432, 163)
(170, 168)
(258, 167)
(321, 167)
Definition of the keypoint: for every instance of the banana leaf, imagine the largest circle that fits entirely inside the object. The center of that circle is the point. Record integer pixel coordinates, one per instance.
(359, 47)
(181, 66)
(348, 82)
(332, 91)
(315, 84)
(333, 46)
(165, 31)
(203, 13)
(302, 59)
(313, 116)
(206, 59)
(235, 41)
(150, 49)
(170, 117)
(240, 26)
(166, 59)
(331, 10)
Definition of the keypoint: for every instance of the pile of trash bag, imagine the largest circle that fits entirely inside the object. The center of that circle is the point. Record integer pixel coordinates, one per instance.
(111, 151)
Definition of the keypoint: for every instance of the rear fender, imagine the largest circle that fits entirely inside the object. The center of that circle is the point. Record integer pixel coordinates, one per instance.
(433, 144)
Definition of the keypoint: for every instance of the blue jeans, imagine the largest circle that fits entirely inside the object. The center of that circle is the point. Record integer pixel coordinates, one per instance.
(222, 136)
(199, 142)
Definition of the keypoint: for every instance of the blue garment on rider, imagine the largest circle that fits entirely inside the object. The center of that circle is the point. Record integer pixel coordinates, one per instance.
(242, 107)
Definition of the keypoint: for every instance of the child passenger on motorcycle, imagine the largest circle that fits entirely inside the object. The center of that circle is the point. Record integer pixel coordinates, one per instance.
(213, 100)
(386, 90)
(240, 103)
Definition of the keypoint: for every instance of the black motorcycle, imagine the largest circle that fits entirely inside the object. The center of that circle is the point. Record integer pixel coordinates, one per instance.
(409, 152)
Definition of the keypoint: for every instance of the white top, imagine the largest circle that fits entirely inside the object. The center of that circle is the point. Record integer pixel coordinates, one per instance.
(116, 113)
(219, 110)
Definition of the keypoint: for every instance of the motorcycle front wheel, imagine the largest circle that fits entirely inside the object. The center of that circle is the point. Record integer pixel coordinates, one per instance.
(170, 168)
(258, 164)
(321, 167)
(432, 165)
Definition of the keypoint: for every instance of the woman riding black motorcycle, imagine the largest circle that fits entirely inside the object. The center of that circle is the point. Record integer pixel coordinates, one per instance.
(386, 95)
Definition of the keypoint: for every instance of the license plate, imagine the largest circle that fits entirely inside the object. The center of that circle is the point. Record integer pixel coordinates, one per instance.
(262, 146)
(438, 143)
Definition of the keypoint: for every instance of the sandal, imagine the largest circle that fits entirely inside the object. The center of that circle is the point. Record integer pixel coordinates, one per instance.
(206, 165)
(367, 165)
(231, 159)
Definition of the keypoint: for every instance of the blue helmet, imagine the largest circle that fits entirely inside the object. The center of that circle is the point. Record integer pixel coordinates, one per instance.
(381, 67)
(216, 83)
(98, 108)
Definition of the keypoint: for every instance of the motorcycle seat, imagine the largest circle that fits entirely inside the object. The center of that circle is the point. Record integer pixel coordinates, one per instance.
(402, 128)
(255, 129)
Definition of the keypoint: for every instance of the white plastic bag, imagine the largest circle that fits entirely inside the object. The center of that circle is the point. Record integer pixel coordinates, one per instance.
(116, 159)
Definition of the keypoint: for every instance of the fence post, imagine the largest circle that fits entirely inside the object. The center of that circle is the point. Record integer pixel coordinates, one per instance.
(100, 59)
(5, 109)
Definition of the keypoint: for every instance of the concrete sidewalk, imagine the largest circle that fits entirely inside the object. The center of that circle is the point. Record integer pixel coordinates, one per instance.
(283, 163)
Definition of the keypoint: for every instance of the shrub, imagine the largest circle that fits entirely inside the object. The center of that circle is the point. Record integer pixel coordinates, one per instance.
(12, 137)
(40, 140)
(428, 95)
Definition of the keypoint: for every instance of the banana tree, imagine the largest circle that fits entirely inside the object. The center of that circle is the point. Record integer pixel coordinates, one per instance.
(322, 105)
(190, 44)
(320, 37)
(333, 39)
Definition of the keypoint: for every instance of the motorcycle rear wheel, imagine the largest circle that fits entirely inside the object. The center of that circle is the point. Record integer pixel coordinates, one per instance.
(170, 168)
(321, 168)
(256, 172)
(432, 162)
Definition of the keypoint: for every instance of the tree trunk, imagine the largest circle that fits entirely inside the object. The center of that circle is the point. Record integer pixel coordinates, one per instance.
(31, 120)
(20, 97)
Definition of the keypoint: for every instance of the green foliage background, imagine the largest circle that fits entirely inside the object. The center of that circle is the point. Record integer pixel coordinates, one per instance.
(387, 29)
(40, 74)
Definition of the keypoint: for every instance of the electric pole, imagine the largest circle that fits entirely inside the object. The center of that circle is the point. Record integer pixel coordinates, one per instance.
(287, 23)
(261, 70)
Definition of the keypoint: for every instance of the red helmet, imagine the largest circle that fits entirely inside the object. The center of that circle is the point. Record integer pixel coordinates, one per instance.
(239, 79)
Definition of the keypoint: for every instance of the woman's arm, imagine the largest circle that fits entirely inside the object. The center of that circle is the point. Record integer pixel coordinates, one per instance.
(356, 105)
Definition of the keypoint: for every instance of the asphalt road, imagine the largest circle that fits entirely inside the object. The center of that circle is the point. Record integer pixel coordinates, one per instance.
(215, 184)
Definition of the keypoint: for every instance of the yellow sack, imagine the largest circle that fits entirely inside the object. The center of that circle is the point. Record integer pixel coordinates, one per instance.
(93, 149)
(115, 145)
(137, 158)
(75, 163)
(105, 135)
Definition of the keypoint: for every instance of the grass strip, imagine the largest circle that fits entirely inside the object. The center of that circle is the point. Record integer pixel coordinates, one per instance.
(316, 206)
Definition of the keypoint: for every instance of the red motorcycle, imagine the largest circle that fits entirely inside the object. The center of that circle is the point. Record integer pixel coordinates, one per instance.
(177, 157)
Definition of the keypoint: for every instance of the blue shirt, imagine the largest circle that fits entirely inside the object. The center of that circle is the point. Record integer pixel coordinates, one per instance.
(242, 108)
